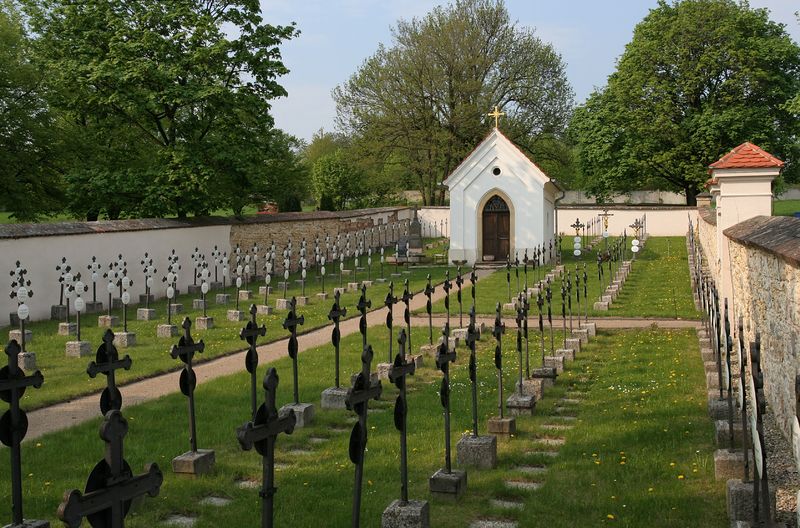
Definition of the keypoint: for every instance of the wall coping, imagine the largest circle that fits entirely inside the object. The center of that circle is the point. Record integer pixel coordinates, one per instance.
(707, 214)
(629, 207)
(30, 230)
(777, 235)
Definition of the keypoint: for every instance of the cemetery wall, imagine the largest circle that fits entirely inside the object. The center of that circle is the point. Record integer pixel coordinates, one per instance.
(707, 233)
(765, 271)
(661, 220)
(435, 219)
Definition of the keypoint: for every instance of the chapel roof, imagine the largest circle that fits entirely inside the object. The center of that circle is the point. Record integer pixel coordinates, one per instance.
(747, 156)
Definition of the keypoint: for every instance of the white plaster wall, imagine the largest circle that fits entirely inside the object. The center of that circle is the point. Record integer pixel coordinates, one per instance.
(436, 221)
(41, 255)
(660, 222)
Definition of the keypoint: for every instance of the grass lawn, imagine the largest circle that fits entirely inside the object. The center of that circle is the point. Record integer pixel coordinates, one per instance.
(66, 377)
(785, 207)
(658, 285)
(640, 452)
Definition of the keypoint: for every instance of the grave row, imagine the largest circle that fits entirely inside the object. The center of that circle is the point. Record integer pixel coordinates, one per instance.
(112, 485)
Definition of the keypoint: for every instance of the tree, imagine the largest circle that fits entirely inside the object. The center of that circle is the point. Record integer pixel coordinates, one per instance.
(30, 184)
(172, 85)
(698, 78)
(336, 181)
(424, 99)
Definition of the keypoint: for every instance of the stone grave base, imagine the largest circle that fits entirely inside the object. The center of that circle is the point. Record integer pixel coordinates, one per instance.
(94, 306)
(367, 283)
(303, 413)
(17, 335)
(591, 328)
(26, 360)
(521, 404)
(222, 298)
(740, 500)
(730, 464)
(608, 299)
(477, 451)
(459, 334)
(567, 353)
(198, 304)
(193, 288)
(601, 306)
(245, 295)
(237, 315)
(418, 360)
(373, 376)
(215, 285)
(124, 339)
(204, 323)
(340, 291)
(412, 514)
(448, 485)
(78, 349)
(145, 314)
(107, 321)
(198, 462)
(502, 426)
(510, 307)
(116, 304)
(718, 409)
(574, 343)
(322, 296)
(532, 387)
(262, 290)
(282, 304)
(334, 398)
(381, 280)
(708, 356)
(263, 309)
(429, 350)
(13, 318)
(66, 329)
(582, 335)
(58, 312)
(383, 370)
(302, 300)
(143, 299)
(555, 362)
(166, 330)
(176, 308)
(722, 436)
(352, 286)
(546, 374)
(29, 523)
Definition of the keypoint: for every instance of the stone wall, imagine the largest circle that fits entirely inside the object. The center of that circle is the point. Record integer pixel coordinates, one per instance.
(707, 236)
(765, 271)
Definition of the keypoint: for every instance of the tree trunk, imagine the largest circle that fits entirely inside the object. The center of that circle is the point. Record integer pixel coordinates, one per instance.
(691, 195)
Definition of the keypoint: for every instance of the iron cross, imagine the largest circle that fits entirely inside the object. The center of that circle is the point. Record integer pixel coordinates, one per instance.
(389, 302)
(459, 283)
(497, 332)
(446, 287)
(261, 433)
(107, 362)
(185, 350)
(14, 422)
(250, 333)
(336, 313)
(290, 324)
(406, 298)
(472, 337)
(445, 356)
(473, 279)
(429, 291)
(397, 375)
(363, 305)
(111, 486)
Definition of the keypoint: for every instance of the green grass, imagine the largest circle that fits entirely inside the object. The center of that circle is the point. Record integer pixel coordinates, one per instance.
(643, 403)
(66, 377)
(785, 207)
(658, 285)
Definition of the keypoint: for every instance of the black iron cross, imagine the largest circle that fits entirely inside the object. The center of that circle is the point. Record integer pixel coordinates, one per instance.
(743, 393)
(357, 400)
(14, 422)
(761, 505)
(406, 298)
(445, 356)
(564, 310)
(429, 291)
(578, 292)
(446, 287)
(336, 313)
(586, 292)
(525, 261)
(526, 306)
(250, 333)
(540, 304)
(508, 275)
(111, 486)
(363, 305)
(459, 283)
(516, 268)
(569, 302)
(549, 298)
(397, 375)
(473, 279)
(262, 432)
(728, 350)
(520, 322)
(290, 324)
(497, 332)
(107, 362)
(472, 337)
(185, 350)
(389, 302)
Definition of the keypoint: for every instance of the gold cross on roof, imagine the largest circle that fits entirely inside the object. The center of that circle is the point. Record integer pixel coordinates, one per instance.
(496, 115)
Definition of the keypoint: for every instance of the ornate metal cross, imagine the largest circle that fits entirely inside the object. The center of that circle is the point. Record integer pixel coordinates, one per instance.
(445, 356)
(111, 486)
(429, 291)
(261, 433)
(496, 114)
(363, 305)
(185, 350)
(540, 304)
(549, 298)
(508, 276)
(497, 332)
(336, 313)
(472, 337)
(406, 298)
(251, 333)
(107, 362)
(357, 400)
(14, 422)
(290, 324)
(446, 287)
(459, 283)
(397, 375)
(389, 302)
(473, 279)
(520, 323)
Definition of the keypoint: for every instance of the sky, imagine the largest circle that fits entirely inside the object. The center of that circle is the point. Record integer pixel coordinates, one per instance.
(338, 35)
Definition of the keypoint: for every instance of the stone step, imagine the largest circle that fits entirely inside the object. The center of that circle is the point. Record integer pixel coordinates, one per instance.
(531, 470)
(526, 485)
(507, 504)
(219, 502)
(180, 520)
(557, 441)
(570, 401)
(557, 427)
(492, 523)
(544, 453)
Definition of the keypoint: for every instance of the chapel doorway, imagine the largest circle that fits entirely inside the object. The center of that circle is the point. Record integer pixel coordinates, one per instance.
(496, 230)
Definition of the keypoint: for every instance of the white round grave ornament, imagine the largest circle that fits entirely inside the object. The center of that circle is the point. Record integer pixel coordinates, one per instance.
(286, 274)
(577, 239)
(225, 271)
(369, 261)
(634, 242)
(238, 282)
(268, 279)
(635, 249)
(576, 245)
(68, 293)
(22, 294)
(126, 298)
(170, 292)
(577, 252)
(322, 270)
(170, 277)
(111, 287)
(68, 277)
(80, 286)
(80, 304)
(303, 273)
(23, 311)
(341, 266)
(247, 269)
(605, 234)
(322, 261)
(126, 282)
(150, 282)
(204, 288)
(95, 276)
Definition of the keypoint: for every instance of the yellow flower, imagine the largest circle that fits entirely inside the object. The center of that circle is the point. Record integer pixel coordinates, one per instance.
(681, 477)
(610, 517)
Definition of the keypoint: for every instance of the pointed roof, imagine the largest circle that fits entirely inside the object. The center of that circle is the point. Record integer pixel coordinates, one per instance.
(747, 156)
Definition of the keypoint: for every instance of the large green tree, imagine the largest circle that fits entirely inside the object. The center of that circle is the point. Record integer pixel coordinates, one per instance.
(698, 78)
(423, 100)
(162, 94)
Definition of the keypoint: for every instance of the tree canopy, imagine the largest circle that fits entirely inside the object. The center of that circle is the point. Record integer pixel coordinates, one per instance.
(698, 78)
(423, 100)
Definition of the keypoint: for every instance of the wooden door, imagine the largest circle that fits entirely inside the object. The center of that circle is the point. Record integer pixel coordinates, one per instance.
(496, 230)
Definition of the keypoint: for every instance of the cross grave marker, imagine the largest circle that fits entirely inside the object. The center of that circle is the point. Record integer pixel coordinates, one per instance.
(107, 362)
(304, 412)
(250, 333)
(334, 397)
(500, 425)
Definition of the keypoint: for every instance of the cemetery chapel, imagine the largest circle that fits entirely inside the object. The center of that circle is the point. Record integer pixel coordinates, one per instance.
(501, 203)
